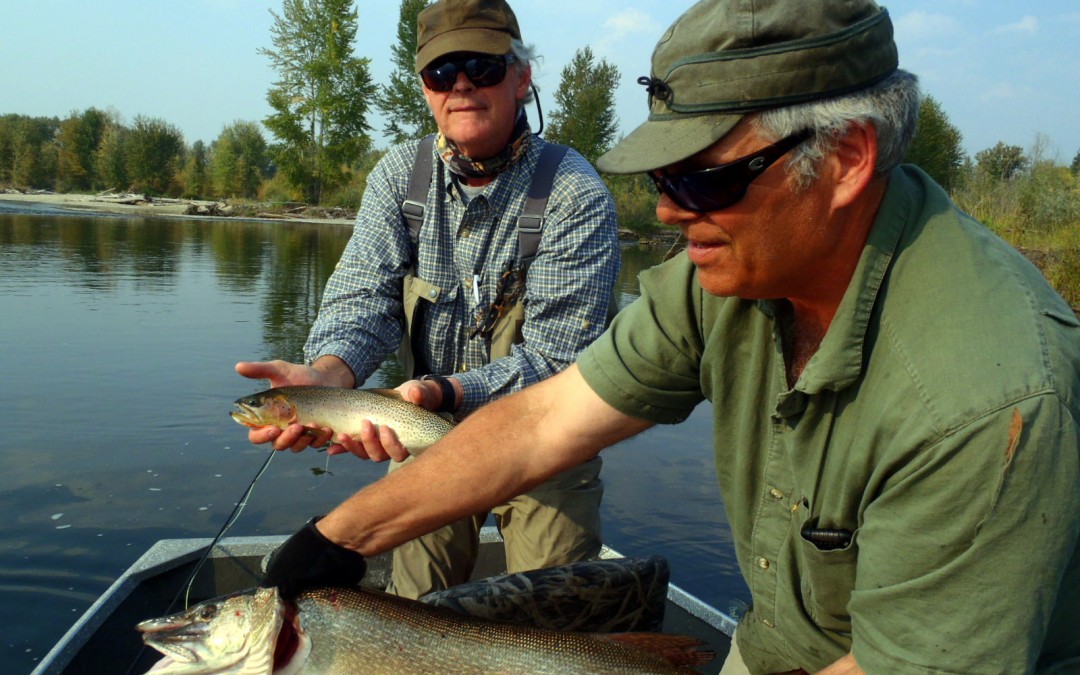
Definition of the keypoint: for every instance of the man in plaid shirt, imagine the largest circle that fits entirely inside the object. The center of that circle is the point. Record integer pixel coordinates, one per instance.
(469, 319)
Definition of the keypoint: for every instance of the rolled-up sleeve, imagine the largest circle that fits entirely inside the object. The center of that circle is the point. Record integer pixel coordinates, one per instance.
(360, 317)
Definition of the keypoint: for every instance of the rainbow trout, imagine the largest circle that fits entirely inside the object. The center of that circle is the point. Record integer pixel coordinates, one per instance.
(342, 410)
(358, 631)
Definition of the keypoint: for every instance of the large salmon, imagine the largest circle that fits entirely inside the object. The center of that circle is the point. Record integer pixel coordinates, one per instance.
(342, 410)
(360, 631)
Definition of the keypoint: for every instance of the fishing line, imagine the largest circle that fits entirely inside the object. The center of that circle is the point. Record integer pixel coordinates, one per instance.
(237, 510)
(185, 590)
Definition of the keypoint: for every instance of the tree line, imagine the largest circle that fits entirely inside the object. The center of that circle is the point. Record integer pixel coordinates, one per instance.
(321, 145)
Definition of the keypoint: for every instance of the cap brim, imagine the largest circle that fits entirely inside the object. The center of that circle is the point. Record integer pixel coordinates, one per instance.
(479, 40)
(658, 143)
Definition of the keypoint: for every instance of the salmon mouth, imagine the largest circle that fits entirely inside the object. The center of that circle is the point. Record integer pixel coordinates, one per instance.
(245, 414)
(171, 639)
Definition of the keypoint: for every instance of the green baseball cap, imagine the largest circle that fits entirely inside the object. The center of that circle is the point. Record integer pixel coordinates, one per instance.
(723, 59)
(447, 26)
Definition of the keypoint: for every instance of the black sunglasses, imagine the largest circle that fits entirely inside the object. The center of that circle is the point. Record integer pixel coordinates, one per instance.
(721, 186)
(483, 70)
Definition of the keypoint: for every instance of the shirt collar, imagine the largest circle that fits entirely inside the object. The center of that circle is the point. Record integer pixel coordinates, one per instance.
(838, 362)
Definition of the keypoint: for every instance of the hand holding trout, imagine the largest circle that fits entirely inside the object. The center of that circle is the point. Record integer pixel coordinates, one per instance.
(343, 411)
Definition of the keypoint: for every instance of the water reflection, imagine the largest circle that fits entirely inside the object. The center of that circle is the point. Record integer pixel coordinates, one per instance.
(116, 379)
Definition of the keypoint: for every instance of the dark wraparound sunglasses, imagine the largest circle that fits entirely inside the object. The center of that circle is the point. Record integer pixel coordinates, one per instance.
(483, 70)
(721, 186)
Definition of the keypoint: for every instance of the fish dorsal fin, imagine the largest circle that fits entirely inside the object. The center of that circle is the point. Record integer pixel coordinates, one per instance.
(679, 650)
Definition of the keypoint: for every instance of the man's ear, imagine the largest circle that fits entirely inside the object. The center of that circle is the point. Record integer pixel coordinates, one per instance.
(855, 159)
(525, 81)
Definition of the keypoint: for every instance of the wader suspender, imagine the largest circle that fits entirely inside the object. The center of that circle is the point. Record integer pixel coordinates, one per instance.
(530, 223)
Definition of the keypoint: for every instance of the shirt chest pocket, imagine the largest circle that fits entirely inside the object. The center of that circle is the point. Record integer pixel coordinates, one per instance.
(827, 557)
(426, 303)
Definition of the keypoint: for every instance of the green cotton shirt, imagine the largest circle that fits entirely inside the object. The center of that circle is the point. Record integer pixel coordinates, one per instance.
(938, 423)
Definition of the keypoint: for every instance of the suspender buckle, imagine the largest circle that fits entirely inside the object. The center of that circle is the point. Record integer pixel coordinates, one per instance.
(530, 224)
(413, 209)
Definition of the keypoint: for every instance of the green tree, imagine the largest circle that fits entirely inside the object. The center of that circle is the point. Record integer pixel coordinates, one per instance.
(1075, 167)
(7, 146)
(585, 115)
(1047, 198)
(635, 201)
(112, 159)
(154, 150)
(402, 101)
(936, 145)
(77, 147)
(196, 176)
(28, 152)
(321, 97)
(155, 155)
(1003, 162)
(240, 160)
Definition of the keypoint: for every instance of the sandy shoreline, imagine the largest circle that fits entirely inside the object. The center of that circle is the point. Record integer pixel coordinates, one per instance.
(52, 202)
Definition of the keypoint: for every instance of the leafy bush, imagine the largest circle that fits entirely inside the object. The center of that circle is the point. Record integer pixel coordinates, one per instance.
(278, 190)
(635, 202)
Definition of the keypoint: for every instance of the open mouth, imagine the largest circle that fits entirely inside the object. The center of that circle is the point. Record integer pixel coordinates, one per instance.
(245, 414)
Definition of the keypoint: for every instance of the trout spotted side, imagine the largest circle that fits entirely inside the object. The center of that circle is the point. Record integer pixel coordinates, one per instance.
(342, 410)
(348, 631)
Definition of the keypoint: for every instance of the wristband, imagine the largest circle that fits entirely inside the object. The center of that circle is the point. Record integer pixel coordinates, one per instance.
(449, 394)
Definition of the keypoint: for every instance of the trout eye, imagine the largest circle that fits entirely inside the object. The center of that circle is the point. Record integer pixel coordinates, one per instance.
(208, 613)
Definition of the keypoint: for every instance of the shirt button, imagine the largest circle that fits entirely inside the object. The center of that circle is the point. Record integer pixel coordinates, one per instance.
(433, 293)
(776, 493)
(763, 563)
(767, 623)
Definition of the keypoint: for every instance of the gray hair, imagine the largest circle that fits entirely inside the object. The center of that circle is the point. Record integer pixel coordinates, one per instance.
(891, 105)
(525, 54)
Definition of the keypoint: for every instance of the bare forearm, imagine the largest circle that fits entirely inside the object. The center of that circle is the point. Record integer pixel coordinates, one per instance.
(500, 451)
(845, 666)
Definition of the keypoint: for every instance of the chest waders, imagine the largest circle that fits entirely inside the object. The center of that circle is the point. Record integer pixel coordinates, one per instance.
(530, 223)
(557, 523)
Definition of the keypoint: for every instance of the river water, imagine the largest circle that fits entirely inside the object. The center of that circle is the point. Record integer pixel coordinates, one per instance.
(117, 347)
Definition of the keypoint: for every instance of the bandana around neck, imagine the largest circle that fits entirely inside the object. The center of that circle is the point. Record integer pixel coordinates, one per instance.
(492, 166)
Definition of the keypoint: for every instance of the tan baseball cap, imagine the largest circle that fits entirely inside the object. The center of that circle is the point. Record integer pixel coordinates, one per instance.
(725, 58)
(447, 26)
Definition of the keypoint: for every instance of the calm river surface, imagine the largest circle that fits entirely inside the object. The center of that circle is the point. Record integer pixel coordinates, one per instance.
(117, 347)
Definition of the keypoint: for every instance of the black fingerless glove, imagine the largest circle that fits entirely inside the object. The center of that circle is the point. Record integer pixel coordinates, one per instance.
(308, 559)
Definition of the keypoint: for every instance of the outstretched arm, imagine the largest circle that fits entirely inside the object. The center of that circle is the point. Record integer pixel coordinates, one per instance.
(502, 450)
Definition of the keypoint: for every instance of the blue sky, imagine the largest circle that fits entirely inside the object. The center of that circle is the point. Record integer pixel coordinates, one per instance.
(1003, 70)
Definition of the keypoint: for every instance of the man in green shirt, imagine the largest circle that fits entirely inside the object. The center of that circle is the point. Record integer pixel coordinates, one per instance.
(896, 392)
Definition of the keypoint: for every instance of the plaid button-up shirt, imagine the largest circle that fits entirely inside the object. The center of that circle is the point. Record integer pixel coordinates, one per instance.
(464, 247)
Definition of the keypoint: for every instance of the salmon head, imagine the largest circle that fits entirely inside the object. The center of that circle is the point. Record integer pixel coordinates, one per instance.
(234, 634)
(270, 408)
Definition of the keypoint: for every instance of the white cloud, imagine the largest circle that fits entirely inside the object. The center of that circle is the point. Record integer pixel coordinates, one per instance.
(922, 26)
(628, 22)
(1028, 25)
(1001, 91)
